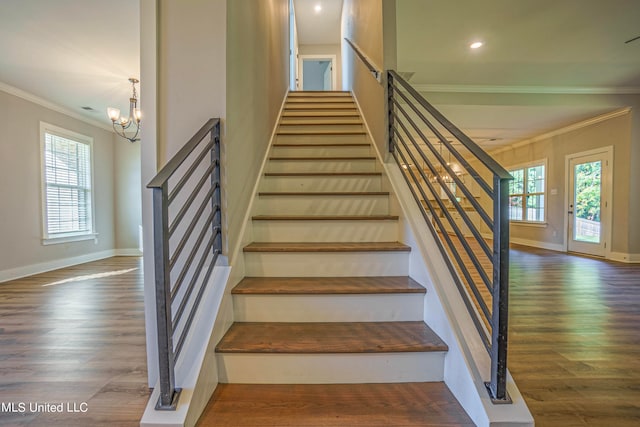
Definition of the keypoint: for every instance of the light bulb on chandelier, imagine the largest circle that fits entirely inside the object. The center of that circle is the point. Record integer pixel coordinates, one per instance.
(122, 124)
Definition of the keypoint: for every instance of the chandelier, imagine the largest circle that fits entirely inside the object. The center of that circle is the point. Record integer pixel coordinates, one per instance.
(127, 127)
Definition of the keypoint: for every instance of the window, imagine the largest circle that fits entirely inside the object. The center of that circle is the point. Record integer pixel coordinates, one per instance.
(67, 184)
(527, 193)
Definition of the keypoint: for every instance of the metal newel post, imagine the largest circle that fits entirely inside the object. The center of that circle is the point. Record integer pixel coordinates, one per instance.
(499, 322)
(166, 359)
(390, 109)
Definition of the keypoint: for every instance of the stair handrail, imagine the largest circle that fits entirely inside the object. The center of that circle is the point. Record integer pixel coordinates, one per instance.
(401, 98)
(375, 71)
(195, 168)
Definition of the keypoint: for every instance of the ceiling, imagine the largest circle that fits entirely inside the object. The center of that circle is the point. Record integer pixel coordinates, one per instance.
(72, 53)
(318, 27)
(545, 63)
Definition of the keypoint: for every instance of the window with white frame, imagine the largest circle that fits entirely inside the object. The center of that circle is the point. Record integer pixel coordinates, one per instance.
(67, 185)
(527, 193)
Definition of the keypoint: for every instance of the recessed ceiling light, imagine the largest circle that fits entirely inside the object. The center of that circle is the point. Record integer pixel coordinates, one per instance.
(318, 8)
(476, 45)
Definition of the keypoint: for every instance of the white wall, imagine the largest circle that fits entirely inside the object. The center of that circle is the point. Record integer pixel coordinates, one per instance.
(22, 252)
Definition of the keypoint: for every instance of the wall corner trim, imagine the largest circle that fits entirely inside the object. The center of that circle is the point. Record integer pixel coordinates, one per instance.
(11, 90)
(561, 131)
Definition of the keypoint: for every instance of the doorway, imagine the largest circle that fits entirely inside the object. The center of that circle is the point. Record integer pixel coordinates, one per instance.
(317, 72)
(589, 207)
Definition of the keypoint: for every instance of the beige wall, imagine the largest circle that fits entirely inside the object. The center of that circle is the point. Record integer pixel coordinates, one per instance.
(128, 192)
(191, 69)
(614, 132)
(325, 49)
(370, 24)
(20, 172)
(258, 79)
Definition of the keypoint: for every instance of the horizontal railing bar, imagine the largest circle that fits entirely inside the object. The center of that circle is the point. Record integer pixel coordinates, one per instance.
(184, 209)
(194, 165)
(444, 209)
(456, 230)
(367, 62)
(483, 214)
(204, 178)
(478, 152)
(192, 254)
(187, 234)
(444, 141)
(169, 169)
(196, 304)
(185, 299)
(452, 269)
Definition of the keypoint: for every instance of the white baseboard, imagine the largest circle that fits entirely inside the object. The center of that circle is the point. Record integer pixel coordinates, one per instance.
(128, 252)
(624, 257)
(30, 270)
(43, 267)
(537, 244)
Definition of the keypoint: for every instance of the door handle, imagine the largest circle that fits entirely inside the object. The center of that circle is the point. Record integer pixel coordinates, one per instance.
(570, 212)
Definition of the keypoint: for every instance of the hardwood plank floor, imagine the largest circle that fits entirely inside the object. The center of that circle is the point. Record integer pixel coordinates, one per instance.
(574, 347)
(75, 336)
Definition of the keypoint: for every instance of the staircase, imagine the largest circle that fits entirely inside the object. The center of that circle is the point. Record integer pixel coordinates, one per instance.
(327, 321)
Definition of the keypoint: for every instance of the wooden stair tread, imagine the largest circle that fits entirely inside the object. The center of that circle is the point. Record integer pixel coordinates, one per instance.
(323, 114)
(355, 122)
(305, 107)
(330, 337)
(321, 132)
(334, 405)
(327, 247)
(321, 99)
(324, 193)
(303, 93)
(325, 218)
(322, 158)
(327, 285)
(325, 174)
(328, 144)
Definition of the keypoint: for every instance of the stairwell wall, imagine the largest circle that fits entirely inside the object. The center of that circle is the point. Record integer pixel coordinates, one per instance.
(370, 24)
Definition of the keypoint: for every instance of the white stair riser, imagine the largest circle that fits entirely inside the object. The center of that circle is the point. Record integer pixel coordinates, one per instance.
(321, 139)
(330, 368)
(326, 264)
(329, 308)
(312, 151)
(325, 231)
(319, 106)
(324, 183)
(317, 120)
(321, 127)
(321, 166)
(322, 205)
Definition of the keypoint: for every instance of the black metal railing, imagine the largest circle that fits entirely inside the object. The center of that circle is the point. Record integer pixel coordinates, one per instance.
(463, 195)
(187, 212)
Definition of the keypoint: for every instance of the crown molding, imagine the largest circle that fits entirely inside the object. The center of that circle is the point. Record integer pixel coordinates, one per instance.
(579, 125)
(27, 96)
(549, 90)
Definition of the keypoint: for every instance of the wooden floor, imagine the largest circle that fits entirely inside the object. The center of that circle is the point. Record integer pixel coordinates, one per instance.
(70, 336)
(574, 347)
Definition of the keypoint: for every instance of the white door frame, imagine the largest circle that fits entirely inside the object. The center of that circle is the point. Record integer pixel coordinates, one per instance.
(607, 194)
(334, 72)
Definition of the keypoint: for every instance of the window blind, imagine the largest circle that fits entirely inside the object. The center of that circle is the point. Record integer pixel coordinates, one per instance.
(67, 186)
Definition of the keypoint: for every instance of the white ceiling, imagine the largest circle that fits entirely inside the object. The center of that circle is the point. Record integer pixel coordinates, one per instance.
(545, 63)
(318, 27)
(72, 53)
